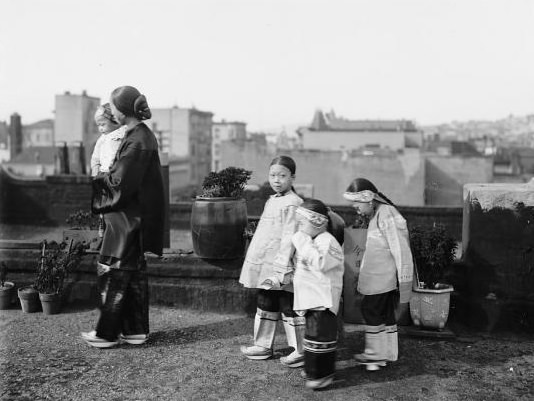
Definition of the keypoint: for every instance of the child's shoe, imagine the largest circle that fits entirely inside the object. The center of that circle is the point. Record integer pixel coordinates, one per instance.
(134, 339)
(293, 360)
(97, 342)
(321, 383)
(371, 363)
(102, 269)
(255, 352)
(373, 355)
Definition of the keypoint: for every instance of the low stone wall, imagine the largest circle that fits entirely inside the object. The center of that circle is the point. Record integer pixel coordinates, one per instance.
(47, 201)
(174, 279)
(51, 200)
(450, 217)
(190, 282)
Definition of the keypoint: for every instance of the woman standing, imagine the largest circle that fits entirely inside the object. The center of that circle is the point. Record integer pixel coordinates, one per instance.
(131, 198)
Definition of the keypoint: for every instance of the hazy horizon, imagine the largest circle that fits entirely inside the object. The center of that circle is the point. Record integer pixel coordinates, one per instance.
(273, 63)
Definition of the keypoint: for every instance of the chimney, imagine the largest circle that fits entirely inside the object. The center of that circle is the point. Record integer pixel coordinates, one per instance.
(63, 159)
(15, 135)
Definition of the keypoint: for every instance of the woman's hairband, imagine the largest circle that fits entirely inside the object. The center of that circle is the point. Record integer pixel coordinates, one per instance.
(361, 196)
(365, 196)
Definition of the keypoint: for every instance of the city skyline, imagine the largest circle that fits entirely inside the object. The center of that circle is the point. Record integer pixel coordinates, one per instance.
(273, 63)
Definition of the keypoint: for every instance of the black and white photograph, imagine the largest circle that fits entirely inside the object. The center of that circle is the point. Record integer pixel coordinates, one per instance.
(267, 200)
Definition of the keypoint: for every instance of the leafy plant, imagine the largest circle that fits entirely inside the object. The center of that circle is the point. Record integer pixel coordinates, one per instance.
(361, 221)
(250, 229)
(227, 183)
(433, 250)
(82, 220)
(55, 263)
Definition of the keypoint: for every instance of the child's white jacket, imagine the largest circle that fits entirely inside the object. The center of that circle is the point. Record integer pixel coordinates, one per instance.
(270, 251)
(387, 262)
(318, 279)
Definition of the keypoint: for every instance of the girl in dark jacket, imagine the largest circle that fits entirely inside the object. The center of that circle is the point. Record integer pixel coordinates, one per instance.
(131, 198)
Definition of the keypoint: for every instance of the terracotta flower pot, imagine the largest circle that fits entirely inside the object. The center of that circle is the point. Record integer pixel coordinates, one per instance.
(29, 299)
(6, 294)
(51, 303)
(430, 308)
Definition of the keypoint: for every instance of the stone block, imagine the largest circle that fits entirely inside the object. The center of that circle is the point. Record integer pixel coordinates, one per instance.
(498, 250)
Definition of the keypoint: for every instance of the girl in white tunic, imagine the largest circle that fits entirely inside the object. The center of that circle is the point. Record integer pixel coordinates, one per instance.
(386, 272)
(268, 267)
(318, 283)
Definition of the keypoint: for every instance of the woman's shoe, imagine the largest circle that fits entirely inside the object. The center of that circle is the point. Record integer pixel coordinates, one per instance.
(88, 334)
(255, 352)
(317, 384)
(97, 342)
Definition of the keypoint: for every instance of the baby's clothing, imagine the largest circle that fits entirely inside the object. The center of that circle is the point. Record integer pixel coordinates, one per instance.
(105, 151)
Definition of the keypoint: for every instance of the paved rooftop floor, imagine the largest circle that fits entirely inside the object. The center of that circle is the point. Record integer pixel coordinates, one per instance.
(195, 356)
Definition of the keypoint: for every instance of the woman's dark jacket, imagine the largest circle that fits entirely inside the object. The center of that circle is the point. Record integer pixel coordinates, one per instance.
(134, 187)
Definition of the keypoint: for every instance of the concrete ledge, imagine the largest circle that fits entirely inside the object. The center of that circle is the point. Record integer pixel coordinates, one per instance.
(18, 244)
(174, 279)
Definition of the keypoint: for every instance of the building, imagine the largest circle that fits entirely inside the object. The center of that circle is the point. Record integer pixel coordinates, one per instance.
(225, 131)
(40, 133)
(185, 133)
(37, 161)
(330, 132)
(408, 178)
(74, 121)
(4, 142)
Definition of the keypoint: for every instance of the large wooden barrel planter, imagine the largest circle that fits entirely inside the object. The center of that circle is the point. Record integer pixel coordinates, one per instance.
(218, 227)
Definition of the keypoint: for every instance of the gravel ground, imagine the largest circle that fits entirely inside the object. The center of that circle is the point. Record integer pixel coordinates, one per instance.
(195, 356)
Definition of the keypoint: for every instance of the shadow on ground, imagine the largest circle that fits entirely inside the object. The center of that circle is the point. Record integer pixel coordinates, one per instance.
(212, 331)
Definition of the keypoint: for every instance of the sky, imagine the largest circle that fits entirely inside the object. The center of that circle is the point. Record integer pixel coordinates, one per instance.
(272, 63)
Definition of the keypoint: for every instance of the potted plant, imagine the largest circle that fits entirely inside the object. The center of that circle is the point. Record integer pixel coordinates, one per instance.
(83, 228)
(56, 260)
(433, 251)
(6, 288)
(219, 215)
(29, 299)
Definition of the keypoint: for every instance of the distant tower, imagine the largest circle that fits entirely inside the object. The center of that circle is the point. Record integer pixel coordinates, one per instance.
(15, 135)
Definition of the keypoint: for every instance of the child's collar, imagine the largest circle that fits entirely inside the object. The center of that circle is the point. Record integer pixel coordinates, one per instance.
(280, 194)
